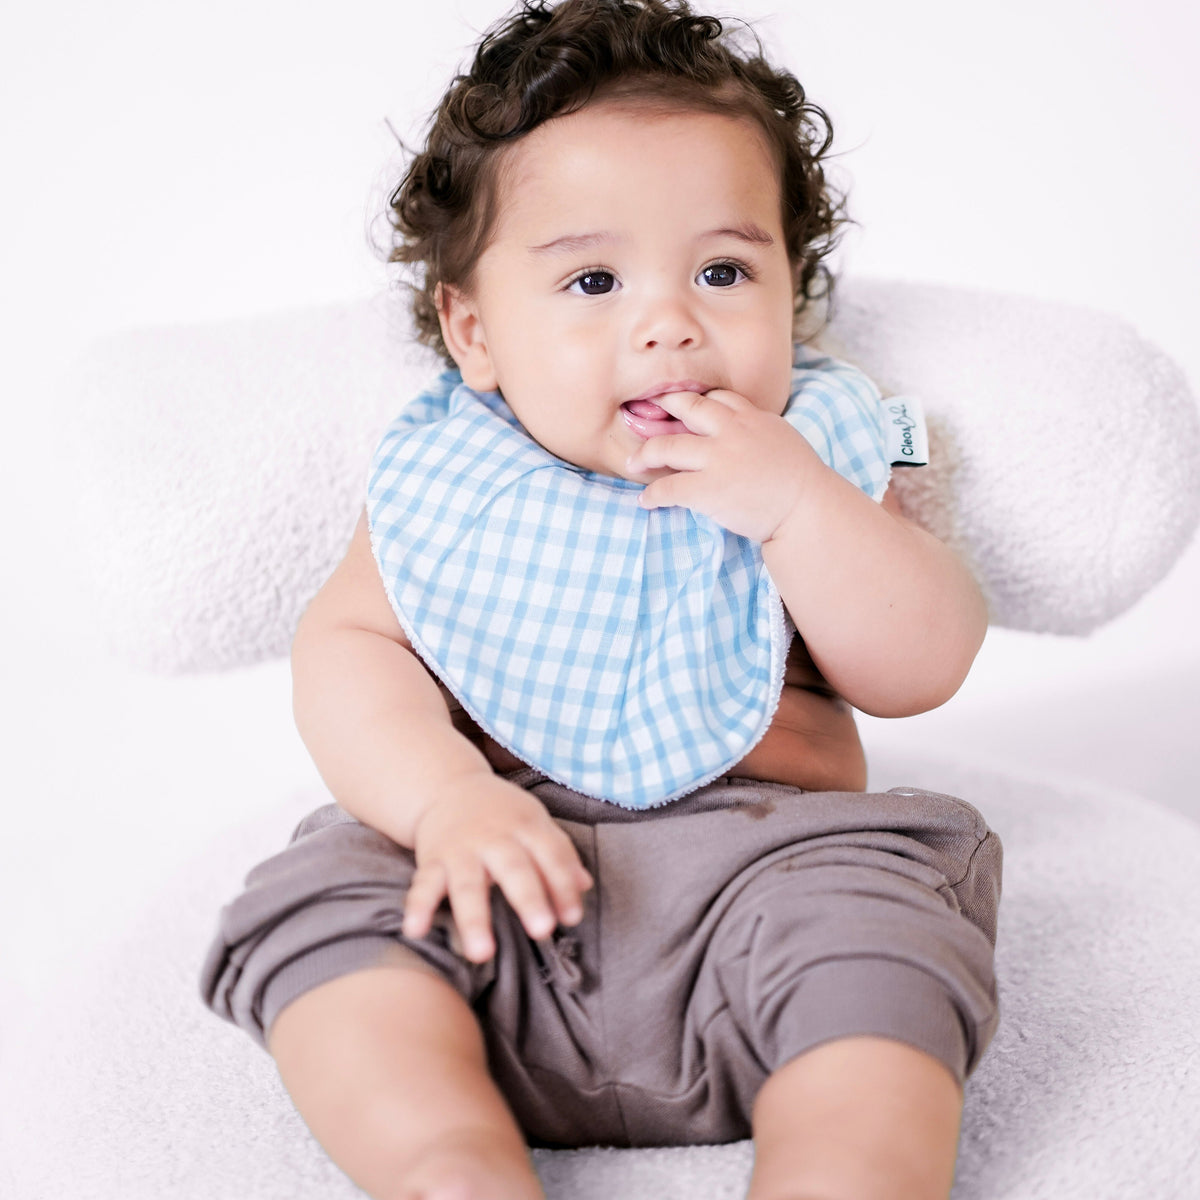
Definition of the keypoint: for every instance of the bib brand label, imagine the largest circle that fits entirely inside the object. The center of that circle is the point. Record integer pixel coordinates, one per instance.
(907, 443)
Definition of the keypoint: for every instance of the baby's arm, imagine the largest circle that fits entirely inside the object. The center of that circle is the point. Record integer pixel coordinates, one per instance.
(891, 617)
(381, 736)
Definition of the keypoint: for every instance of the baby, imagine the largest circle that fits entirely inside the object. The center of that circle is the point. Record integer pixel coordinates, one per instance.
(601, 868)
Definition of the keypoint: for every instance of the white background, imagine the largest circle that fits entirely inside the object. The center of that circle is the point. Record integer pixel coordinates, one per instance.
(164, 168)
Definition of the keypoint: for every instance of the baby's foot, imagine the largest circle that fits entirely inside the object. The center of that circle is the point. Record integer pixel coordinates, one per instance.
(472, 1166)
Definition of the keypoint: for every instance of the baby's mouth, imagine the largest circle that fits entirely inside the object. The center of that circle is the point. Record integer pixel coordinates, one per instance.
(648, 419)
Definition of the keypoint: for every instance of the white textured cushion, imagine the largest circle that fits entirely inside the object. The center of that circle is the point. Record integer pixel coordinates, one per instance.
(219, 469)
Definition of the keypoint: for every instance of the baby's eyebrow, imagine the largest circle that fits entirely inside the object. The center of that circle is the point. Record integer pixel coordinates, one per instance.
(746, 232)
(572, 243)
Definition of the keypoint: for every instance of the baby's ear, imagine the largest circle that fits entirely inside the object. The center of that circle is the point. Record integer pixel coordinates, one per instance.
(463, 333)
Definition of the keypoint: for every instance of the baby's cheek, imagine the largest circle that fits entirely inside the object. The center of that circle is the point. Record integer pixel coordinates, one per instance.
(777, 395)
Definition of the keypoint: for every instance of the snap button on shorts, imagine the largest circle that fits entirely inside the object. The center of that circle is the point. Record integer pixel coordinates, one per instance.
(727, 932)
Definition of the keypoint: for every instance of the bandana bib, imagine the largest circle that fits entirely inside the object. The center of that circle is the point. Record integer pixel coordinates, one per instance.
(633, 655)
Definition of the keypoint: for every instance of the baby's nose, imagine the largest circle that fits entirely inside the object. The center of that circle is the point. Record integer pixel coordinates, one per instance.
(668, 324)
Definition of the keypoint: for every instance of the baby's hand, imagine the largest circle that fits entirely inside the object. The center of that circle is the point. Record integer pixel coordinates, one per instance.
(740, 465)
(485, 830)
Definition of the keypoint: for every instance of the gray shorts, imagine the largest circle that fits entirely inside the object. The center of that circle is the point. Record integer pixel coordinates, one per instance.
(726, 933)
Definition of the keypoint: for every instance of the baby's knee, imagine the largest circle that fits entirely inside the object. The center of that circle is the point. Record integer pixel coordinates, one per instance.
(860, 1118)
(387, 1066)
(393, 993)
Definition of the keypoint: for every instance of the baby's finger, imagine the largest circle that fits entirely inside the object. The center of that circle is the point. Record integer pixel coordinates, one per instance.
(733, 400)
(671, 491)
(425, 893)
(676, 452)
(565, 877)
(702, 413)
(517, 876)
(469, 889)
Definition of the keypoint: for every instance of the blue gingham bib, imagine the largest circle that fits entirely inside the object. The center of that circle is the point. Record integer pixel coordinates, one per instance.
(633, 655)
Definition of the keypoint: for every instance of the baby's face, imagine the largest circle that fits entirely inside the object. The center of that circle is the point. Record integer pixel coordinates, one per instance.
(633, 254)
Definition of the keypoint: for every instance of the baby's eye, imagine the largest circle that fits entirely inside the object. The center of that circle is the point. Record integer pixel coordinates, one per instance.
(723, 274)
(593, 283)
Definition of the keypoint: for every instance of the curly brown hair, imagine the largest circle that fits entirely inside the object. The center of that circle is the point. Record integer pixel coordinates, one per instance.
(547, 60)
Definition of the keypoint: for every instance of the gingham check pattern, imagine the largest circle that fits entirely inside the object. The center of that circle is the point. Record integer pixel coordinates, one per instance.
(633, 655)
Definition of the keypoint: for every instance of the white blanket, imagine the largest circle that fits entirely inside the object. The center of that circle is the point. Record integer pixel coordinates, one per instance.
(129, 1089)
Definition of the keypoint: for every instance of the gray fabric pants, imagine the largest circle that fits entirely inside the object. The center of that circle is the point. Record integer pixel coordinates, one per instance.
(727, 932)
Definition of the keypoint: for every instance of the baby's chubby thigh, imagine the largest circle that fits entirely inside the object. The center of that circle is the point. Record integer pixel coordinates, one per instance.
(329, 904)
(755, 922)
(373, 1034)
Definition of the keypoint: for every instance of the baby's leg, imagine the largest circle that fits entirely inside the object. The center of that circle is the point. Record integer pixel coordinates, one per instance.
(858, 1118)
(859, 965)
(387, 1067)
